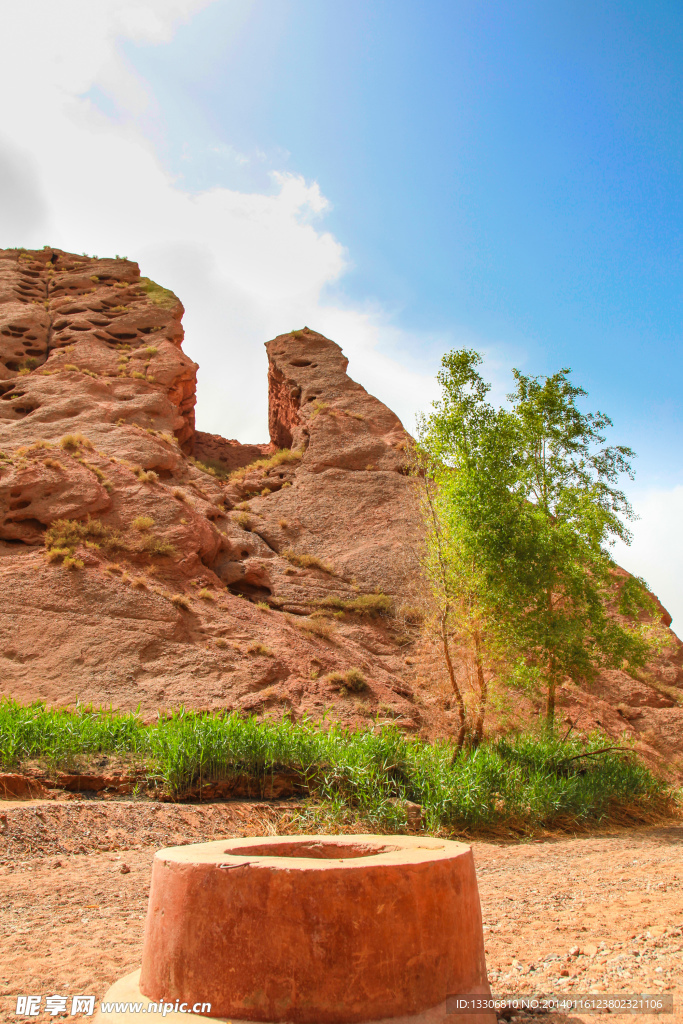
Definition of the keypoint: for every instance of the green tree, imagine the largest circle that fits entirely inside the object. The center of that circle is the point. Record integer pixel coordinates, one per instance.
(522, 510)
(463, 457)
(572, 512)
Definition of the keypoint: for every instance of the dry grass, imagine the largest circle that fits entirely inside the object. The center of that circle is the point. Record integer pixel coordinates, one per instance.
(319, 407)
(280, 458)
(351, 681)
(260, 650)
(65, 535)
(145, 476)
(180, 601)
(206, 595)
(143, 523)
(317, 627)
(305, 561)
(371, 605)
(244, 520)
(72, 442)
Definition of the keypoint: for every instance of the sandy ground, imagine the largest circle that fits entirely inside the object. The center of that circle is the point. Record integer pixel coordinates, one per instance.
(600, 913)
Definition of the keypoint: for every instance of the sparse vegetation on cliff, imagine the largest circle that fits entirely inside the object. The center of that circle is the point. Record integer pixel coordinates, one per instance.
(282, 457)
(163, 297)
(306, 561)
(65, 535)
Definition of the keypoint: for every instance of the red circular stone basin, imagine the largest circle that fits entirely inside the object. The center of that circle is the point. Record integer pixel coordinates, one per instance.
(315, 929)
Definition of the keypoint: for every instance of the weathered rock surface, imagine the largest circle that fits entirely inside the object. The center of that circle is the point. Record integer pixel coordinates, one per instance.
(145, 563)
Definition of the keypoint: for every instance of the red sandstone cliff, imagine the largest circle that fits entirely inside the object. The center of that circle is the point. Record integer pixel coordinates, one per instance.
(173, 583)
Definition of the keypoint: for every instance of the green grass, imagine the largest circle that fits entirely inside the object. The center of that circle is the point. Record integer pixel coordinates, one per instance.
(163, 297)
(520, 784)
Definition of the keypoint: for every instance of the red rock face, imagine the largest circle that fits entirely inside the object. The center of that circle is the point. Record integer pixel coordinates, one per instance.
(196, 570)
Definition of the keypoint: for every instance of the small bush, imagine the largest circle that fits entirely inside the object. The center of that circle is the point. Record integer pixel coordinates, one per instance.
(281, 457)
(143, 523)
(72, 442)
(365, 604)
(260, 650)
(355, 680)
(155, 293)
(319, 407)
(244, 520)
(180, 601)
(155, 546)
(145, 476)
(180, 495)
(70, 562)
(206, 595)
(318, 627)
(352, 681)
(307, 561)
(212, 467)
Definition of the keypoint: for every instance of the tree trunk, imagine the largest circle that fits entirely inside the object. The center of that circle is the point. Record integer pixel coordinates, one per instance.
(483, 691)
(550, 704)
(454, 684)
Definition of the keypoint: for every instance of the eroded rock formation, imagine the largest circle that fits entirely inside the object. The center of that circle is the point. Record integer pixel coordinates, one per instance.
(146, 563)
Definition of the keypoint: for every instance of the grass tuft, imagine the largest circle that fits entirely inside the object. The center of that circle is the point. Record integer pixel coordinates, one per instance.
(160, 296)
(72, 442)
(307, 561)
(143, 523)
(372, 605)
(280, 458)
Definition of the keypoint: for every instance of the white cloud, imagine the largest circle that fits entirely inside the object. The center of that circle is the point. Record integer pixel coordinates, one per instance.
(656, 553)
(247, 266)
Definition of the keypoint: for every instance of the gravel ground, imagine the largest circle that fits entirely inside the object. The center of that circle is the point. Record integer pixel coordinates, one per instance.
(601, 912)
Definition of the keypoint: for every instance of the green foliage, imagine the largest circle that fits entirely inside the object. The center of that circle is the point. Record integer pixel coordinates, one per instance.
(522, 783)
(524, 513)
(155, 293)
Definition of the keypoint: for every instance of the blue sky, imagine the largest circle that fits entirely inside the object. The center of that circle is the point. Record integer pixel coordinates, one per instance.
(503, 173)
(405, 177)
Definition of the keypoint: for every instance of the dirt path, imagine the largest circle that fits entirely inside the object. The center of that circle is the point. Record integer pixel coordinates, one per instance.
(602, 913)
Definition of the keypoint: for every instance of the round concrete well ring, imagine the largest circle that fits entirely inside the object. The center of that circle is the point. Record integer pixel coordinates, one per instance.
(312, 930)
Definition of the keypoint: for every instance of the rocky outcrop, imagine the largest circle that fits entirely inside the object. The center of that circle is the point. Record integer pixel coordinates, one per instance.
(144, 563)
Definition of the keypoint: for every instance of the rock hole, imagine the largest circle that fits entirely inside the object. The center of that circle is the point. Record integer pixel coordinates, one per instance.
(250, 590)
(299, 362)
